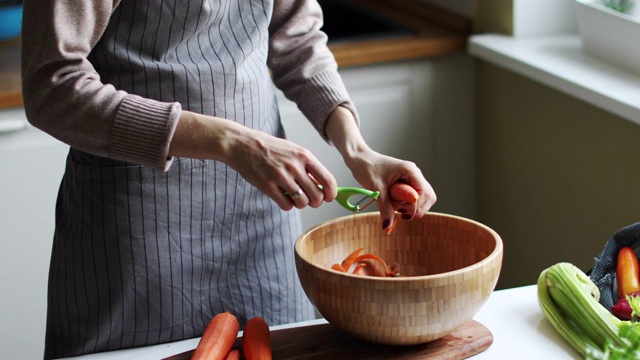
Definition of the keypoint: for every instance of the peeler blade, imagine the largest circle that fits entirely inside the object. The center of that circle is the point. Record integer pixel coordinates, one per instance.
(363, 203)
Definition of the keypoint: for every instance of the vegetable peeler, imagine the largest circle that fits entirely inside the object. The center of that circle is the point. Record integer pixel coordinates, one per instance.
(346, 193)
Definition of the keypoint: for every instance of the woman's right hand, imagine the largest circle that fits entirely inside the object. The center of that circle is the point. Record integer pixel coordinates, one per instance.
(277, 167)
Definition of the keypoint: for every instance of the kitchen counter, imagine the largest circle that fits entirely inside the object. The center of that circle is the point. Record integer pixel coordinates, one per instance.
(435, 32)
(513, 316)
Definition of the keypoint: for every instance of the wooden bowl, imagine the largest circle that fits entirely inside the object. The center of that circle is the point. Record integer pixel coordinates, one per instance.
(451, 266)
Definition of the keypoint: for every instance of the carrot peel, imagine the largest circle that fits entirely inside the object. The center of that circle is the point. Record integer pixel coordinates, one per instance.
(390, 228)
(365, 265)
(338, 267)
(349, 260)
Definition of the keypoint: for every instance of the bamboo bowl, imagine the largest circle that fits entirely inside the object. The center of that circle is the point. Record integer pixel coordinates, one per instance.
(452, 265)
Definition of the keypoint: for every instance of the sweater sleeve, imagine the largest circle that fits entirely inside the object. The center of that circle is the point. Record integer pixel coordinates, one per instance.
(63, 94)
(302, 65)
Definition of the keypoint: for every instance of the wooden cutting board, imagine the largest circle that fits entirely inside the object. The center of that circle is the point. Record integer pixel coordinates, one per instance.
(324, 341)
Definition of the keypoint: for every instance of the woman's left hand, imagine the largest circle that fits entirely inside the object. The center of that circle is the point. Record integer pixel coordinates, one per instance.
(379, 172)
(376, 171)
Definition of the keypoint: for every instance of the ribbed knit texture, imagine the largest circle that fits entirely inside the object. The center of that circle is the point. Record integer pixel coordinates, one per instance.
(319, 96)
(140, 130)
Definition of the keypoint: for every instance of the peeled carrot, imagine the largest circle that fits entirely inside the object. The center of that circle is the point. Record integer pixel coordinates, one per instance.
(233, 355)
(256, 340)
(403, 192)
(218, 337)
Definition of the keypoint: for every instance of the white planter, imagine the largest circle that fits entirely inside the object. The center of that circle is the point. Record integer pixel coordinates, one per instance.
(542, 17)
(610, 35)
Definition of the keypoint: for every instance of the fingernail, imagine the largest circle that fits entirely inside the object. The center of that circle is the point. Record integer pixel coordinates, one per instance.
(385, 224)
(402, 211)
(406, 217)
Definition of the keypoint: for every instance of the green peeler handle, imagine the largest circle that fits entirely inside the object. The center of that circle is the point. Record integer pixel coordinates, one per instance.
(346, 193)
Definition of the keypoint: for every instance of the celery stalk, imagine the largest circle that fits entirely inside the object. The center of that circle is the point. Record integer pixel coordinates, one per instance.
(567, 329)
(569, 299)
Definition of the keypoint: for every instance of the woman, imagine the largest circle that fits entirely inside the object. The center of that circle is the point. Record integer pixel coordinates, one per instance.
(176, 201)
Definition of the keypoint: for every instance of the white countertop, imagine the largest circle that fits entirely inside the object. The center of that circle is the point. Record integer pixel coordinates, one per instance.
(559, 62)
(513, 316)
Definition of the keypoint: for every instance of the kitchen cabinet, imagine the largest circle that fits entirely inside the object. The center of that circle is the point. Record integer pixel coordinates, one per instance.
(419, 110)
(32, 165)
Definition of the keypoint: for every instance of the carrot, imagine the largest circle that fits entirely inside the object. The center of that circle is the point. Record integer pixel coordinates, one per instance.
(403, 192)
(349, 260)
(233, 355)
(218, 337)
(256, 340)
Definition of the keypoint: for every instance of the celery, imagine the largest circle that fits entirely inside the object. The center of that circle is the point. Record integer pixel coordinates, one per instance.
(569, 299)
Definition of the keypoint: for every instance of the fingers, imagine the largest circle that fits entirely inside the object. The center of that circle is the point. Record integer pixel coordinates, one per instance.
(392, 209)
(323, 180)
(308, 192)
(387, 212)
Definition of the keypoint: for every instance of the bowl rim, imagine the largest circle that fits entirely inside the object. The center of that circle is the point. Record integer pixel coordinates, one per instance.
(497, 251)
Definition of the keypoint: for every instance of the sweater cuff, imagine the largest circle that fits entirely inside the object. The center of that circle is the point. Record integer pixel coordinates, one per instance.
(142, 131)
(320, 96)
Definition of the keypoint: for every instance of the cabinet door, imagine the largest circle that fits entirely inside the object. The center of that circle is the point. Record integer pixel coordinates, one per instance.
(32, 166)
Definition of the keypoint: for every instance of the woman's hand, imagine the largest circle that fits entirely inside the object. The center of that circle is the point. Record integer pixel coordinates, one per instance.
(376, 171)
(379, 172)
(277, 167)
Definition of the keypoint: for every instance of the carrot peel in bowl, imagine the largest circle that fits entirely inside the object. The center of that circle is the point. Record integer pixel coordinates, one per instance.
(365, 264)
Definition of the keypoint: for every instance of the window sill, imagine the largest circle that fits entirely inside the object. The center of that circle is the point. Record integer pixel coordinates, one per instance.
(559, 62)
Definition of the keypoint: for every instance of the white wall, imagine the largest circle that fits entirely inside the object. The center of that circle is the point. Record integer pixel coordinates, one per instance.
(32, 165)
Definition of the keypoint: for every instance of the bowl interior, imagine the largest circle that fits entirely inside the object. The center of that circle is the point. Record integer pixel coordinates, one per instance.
(435, 244)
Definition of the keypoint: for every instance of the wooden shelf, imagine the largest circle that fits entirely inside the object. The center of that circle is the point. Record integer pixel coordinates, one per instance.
(10, 82)
(437, 32)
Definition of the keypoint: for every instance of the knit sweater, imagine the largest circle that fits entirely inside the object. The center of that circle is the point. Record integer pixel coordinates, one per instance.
(65, 96)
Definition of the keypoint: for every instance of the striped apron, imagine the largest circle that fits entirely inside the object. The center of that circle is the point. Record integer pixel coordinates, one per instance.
(142, 256)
